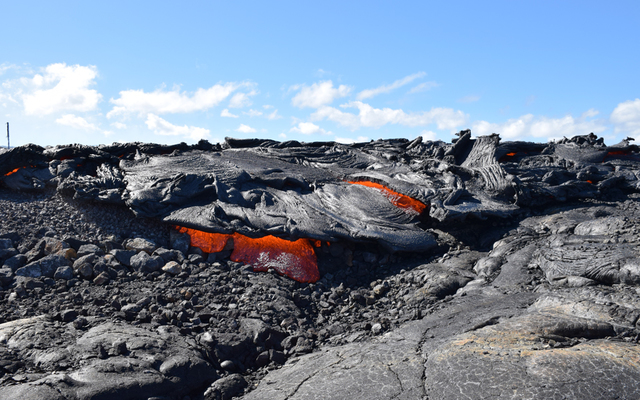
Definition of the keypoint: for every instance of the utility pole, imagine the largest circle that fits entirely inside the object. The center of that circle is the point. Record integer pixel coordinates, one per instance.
(8, 143)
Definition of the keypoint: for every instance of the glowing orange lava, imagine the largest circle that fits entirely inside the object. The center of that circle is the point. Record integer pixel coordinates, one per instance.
(295, 259)
(397, 199)
(12, 172)
(205, 241)
(620, 154)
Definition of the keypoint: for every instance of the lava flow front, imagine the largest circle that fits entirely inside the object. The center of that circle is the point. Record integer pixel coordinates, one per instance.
(397, 199)
(295, 259)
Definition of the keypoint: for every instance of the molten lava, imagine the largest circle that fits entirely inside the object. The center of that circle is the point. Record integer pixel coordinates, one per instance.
(205, 241)
(397, 199)
(295, 259)
(621, 154)
(13, 172)
(507, 157)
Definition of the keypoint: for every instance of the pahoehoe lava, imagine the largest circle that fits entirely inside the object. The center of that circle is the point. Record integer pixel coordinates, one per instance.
(287, 270)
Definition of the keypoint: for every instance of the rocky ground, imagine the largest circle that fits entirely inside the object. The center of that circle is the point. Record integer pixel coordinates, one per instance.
(96, 303)
(70, 272)
(538, 299)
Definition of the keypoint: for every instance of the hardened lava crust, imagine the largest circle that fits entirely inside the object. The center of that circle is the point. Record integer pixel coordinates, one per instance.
(257, 269)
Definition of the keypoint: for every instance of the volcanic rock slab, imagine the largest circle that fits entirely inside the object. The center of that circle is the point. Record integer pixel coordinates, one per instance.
(117, 361)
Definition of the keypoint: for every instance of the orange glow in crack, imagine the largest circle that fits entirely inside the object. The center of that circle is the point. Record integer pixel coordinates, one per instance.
(397, 199)
(295, 259)
(13, 172)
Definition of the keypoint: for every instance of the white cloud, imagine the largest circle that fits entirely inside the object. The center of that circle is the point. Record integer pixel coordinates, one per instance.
(226, 113)
(119, 125)
(61, 88)
(282, 135)
(274, 115)
(318, 94)
(423, 87)
(429, 135)
(308, 128)
(240, 100)
(267, 106)
(161, 101)
(252, 113)
(469, 99)
(529, 126)
(368, 93)
(351, 141)
(5, 67)
(444, 118)
(160, 126)
(245, 129)
(626, 117)
(76, 122)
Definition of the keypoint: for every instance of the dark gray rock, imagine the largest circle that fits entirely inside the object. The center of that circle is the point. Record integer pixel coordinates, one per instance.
(88, 249)
(226, 388)
(143, 262)
(5, 243)
(64, 272)
(123, 256)
(180, 242)
(150, 363)
(15, 262)
(86, 259)
(46, 266)
(7, 253)
(140, 244)
(6, 276)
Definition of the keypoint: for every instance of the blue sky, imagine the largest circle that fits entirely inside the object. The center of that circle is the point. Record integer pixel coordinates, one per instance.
(99, 72)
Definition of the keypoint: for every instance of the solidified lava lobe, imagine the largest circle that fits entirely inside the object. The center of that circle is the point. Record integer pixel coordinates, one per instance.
(295, 259)
(397, 199)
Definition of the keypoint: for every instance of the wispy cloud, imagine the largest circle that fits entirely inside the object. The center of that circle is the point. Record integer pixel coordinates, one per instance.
(626, 117)
(226, 113)
(370, 117)
(429, 135)
(423, 87)
(308, 128)
(472, 98)
(318, 94)
(4, 67)
(241, 100)
(245, 129)
(119, 125)
(321, 73)
(369, 93)
(344, 140)
(61, 88)
(252, 113)
(274, 115)
(76, 122)
(160, 126)
(530, 126)
(162, 101)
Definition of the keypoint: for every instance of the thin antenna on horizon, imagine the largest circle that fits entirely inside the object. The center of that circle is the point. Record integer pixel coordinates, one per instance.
(8, 143)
